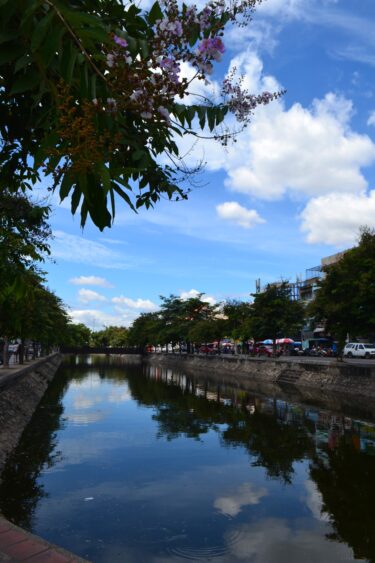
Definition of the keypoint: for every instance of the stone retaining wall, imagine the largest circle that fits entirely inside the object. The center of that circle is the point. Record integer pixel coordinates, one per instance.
(20, 393)
(330, 376)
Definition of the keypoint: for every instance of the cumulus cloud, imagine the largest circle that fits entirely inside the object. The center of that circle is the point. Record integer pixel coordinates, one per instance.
(301, 151)
(96, 319)
(90, 280)
(194, 293)
(88, 295)
(336, 218)
(234, 212)
(142, 304)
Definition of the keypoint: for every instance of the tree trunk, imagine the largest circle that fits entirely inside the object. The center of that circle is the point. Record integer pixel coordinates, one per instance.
(5, 352)
(21, 352)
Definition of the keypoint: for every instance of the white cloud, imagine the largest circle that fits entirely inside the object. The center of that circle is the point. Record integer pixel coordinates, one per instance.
(90, 280)
(302, 152)
(96, 319)
(88, 295)
(336, 218)
(144, 304)
(371, 119)
(72, 248)
(194, 293)
(234, 212)
(283, 8)
(245, 495)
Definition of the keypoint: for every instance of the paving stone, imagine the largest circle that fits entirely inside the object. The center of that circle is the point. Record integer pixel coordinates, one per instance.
(25, 549)
(10, 537)
(50, 556)
(4, 526)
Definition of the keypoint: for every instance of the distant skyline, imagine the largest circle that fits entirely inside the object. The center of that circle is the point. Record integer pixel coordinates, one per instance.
(296, 186)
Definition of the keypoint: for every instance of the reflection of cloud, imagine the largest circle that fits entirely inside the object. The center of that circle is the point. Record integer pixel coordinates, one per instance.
(315, 502)
(119, 396)
(85, 402)
(244, 496)
(87, 383)
(272, 540)
(82, 419)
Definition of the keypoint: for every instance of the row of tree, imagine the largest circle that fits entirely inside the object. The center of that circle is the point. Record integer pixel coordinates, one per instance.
(271, 315)
(344, 303)
(28, 309)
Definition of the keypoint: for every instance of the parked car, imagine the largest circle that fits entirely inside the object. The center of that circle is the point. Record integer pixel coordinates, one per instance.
(359, 350)
(207, 350)
(264, 350)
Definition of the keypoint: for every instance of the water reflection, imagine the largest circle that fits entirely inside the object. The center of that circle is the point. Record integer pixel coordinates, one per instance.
(180, 467)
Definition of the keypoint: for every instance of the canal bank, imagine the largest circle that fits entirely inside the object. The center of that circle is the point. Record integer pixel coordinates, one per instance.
(21, 389)
(311, 377)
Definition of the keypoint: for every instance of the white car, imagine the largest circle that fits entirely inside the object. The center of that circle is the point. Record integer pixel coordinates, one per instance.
(359, 350)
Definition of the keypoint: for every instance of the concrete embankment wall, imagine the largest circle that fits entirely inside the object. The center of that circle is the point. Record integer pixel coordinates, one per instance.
(332, 376)
(20, 393)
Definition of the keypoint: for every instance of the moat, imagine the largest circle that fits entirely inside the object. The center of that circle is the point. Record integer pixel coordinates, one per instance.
(144, 464)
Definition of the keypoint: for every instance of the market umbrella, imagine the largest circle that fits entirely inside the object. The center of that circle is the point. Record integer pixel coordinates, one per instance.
(284, 341)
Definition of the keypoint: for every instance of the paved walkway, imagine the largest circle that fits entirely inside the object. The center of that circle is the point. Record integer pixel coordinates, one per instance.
(16, 545)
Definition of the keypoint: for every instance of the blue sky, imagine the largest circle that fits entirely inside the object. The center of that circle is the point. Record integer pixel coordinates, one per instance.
(295, 187)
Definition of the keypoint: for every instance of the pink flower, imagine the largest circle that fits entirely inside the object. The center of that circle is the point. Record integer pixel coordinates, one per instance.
(120, 41)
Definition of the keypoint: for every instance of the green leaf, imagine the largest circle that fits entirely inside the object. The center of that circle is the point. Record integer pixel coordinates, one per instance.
(76, 196)
(7, 36)
(66, 186)
(211, 118)
(202, 116)
(41, 30)
(105, 177)
(194, 34)
(22, 62)
(27, 81)
(9, 53)
(143, 45)
(52, 43)
(155, 14)
(68, 62)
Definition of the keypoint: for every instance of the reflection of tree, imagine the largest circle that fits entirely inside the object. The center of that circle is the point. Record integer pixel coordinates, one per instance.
(20, 491)
(274, 445)
(178, 411)
(346, 482)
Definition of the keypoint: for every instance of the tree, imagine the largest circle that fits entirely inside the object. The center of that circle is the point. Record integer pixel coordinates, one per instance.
(77, 335)
(275, 314)
(238, 319)
(116, 336)
(88, 96)
(24, 234)
(145, 330)
(345, 299)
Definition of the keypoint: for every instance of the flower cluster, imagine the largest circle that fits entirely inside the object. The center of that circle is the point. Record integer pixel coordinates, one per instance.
(149, 84)
(240, 102)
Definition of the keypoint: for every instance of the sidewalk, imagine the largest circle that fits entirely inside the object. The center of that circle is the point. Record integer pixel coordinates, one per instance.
(16, 545)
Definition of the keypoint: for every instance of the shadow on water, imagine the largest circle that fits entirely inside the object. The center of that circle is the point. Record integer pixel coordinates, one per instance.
(276, 435)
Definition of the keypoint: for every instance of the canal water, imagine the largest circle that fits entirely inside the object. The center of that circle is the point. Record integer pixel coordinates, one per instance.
(143, 464)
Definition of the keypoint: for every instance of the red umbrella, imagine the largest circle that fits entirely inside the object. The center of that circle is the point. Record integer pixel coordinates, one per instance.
(284, 341)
